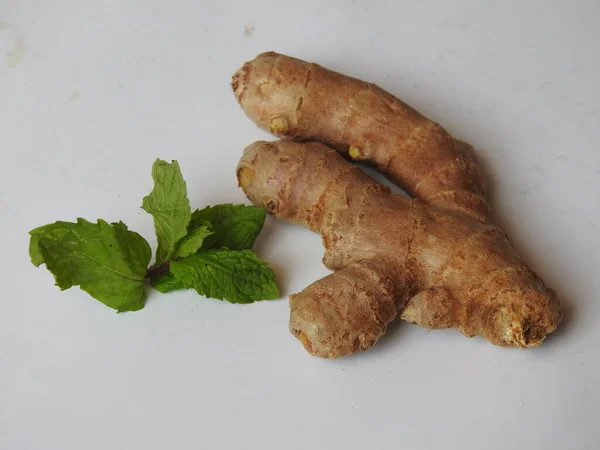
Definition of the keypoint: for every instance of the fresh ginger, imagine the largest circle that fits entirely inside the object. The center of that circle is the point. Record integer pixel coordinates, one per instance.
(297, 100)
(437, 260)
(391, 254)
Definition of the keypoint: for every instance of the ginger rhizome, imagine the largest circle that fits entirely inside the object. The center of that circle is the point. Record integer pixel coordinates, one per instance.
(437, 259)
(297, 100)
(392, 254)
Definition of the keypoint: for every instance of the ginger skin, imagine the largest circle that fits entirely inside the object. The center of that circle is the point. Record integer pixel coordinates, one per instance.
(438, 268)
(297, 100)
(438, 260)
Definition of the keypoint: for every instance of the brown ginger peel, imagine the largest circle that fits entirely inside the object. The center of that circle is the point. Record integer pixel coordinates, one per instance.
(437, 259)
(297, 100)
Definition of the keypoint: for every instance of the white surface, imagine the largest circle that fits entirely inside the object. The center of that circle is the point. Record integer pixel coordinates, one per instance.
(93, 91)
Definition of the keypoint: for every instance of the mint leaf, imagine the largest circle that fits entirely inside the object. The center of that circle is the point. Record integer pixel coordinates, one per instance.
(235, 226)
(35, 251)
(192, 242)
(236, 276)
(166, 282)
(106, 260)
(169, 206)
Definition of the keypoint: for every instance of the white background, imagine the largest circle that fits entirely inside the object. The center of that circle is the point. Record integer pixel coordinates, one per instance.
(91, 92)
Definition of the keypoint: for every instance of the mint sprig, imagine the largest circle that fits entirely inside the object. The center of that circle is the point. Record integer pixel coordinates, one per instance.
(208, 250)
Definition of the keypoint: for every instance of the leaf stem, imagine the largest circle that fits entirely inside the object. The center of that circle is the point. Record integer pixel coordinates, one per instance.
(154, 271)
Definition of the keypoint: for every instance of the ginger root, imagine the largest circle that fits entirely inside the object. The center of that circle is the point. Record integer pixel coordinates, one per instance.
(437, 260)
(391, 254)
(297, 100)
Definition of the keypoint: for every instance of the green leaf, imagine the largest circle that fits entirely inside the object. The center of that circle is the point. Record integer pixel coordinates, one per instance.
(166, 282)
(235, 226)
(35, 251)
(192, 242)
(170, 207)
(107, 261)
(236, 276)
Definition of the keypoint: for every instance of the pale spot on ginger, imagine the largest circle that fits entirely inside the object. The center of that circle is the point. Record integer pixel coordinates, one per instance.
(278, 125)
(355, 153)
(416, 133)
(263, 89)
(245, 177)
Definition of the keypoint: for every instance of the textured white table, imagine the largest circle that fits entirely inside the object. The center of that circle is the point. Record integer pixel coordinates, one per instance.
(92, 91)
